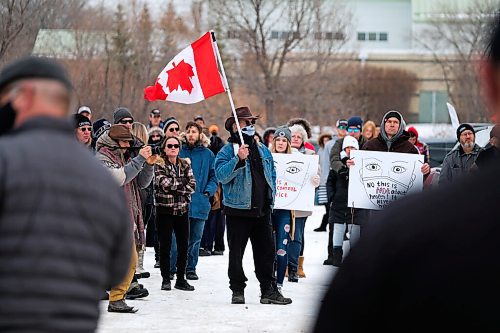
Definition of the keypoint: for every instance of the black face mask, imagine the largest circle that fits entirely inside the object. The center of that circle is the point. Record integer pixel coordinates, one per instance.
(7, 118)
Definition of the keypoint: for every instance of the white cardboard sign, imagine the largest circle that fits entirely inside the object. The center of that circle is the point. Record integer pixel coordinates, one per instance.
(379, 178)
(294, 188)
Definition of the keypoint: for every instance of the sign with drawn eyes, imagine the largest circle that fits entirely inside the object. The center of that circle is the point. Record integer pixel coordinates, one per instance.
(294, 188)
(379, 178)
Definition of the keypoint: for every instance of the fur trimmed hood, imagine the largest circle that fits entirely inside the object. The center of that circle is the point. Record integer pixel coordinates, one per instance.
(204, 140)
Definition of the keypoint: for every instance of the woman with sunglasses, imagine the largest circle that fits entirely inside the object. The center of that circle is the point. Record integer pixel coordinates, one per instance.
(174, 183)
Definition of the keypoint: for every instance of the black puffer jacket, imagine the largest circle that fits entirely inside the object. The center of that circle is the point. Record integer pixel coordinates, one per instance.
(65, 233)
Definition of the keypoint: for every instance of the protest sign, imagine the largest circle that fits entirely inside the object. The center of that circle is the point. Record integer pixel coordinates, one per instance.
(379, 178)
(294, 188)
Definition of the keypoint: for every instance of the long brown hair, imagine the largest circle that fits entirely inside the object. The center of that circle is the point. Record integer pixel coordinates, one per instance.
(288, 146)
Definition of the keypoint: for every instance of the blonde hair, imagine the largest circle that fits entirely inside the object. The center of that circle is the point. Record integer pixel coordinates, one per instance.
(369, 124)
(288, 146)
(140, 131)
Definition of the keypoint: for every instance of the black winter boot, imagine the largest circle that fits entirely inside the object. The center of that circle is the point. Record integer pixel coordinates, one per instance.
(292, 275)
(337, 256)
(238, 297)
(329, 261)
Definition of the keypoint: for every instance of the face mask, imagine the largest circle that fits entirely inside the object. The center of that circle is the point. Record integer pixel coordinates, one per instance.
(7, 118)
(248, 130)
(386, 182)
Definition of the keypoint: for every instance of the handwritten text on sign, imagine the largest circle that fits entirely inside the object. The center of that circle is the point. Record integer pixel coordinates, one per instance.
(379, 178)
(294, 189)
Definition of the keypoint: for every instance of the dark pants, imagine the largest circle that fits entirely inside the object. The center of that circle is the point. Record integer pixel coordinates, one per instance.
(151, 232)
(260, 232)
(180, 225)
(215, 227)
(324, 221)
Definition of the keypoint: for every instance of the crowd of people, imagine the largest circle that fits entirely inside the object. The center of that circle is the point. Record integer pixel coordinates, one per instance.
(180, 189)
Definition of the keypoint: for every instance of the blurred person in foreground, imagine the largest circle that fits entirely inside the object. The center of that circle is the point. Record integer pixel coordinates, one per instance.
(429, 262)
(61, 241)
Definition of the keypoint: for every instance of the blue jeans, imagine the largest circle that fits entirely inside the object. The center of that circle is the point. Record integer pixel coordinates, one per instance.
(195, 232)
(281, 224)
(296, 244)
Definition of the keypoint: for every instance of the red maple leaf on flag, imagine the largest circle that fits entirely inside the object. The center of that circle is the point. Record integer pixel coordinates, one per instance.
(180, 76)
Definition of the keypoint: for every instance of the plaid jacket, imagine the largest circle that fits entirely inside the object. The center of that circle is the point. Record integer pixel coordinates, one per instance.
(174, 185)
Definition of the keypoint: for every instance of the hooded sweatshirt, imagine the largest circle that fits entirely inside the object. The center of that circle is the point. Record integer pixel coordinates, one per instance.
(397, 144)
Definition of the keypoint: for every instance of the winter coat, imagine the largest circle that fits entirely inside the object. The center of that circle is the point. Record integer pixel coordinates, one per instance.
(65, 233)
(132, 174)
(338, 190)
(324, 163)
(429, 261)
(400, 145)
(237, 182)
(457, 164)
(335, 162)
(174, 184)
(202, 164)
(306, 151)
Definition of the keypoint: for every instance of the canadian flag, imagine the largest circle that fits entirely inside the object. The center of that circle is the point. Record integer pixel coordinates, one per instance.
(190, 77)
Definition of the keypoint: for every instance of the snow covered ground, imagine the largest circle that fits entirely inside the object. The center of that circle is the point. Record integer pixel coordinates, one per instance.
(209, 308)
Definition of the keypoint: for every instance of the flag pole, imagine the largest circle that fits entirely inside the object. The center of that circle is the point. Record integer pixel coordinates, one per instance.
(227, 86)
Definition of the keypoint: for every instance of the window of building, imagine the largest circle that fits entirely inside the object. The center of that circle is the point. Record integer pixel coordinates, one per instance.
(432, 107)
(361, 36)
(296, 35)
(317, 35)
(383, 36)
(275, 34)
(284, 35)
(372, 36)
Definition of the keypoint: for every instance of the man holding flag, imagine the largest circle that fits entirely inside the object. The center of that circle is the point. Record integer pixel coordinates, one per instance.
(248, 177)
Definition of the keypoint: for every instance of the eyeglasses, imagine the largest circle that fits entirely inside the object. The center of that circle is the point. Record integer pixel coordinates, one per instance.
(355, 130)
(174, 129)
(128, 121)
(85, 129)
(170, 146)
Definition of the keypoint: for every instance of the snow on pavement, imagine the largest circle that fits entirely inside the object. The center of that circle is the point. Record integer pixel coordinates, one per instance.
(209, 308)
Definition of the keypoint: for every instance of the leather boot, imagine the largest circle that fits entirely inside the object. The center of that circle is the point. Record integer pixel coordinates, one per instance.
(300, 271)
(337, 256)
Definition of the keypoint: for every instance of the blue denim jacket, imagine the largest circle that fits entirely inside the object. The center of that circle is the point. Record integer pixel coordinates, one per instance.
(237, 184)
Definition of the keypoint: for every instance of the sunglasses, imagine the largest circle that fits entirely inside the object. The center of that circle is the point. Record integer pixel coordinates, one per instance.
(85, 129)
(355, 130)
(130, 121)
(170, 145)
(156, 116)
(342, 127)
(174, 129)
(156, 136)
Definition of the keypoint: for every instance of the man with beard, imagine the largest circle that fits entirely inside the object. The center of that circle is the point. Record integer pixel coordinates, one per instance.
(195, 147)
(430, 261)
(248, 177)
(461, 159)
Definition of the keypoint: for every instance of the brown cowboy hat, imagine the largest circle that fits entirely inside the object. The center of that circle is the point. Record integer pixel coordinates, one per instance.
(242, 112)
